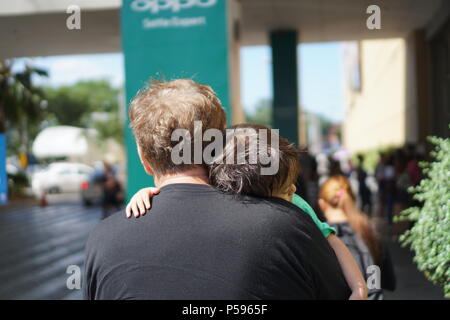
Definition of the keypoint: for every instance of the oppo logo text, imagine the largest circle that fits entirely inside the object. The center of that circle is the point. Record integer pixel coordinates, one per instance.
(155, 6)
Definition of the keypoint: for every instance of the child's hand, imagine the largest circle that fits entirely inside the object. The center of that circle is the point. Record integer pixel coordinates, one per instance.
(140, 202)
(359, 293)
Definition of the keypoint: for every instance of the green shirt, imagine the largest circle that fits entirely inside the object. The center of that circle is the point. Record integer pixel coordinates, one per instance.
(323, 226)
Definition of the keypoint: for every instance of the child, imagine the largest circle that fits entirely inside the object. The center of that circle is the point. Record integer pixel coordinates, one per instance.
(246, 179)
(355, 229)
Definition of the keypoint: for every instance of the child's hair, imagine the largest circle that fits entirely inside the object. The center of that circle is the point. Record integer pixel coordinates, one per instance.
(332, 192)
(246, 178)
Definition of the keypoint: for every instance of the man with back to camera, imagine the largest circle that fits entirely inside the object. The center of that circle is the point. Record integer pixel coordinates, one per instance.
(198, 243)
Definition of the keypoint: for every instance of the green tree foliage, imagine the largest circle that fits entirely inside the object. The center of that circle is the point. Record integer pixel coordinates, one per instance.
(262, 114)
(21, 103)
(429, 238)
(26, 109)
(75, 105)
(67, 107)
(112, 128)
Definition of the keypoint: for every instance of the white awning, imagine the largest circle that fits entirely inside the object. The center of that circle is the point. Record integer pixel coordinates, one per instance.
(63, 141)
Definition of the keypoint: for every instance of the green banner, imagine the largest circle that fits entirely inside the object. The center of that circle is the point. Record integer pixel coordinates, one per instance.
(170, 39)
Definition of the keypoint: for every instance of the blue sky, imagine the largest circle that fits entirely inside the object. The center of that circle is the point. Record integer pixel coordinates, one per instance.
(65, 70)
(320, 77)
(320, 66)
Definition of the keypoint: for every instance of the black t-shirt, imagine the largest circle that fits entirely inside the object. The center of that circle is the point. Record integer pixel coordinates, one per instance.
(198, 243)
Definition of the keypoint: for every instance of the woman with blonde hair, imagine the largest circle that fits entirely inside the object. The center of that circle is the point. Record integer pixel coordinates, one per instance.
(338, 203)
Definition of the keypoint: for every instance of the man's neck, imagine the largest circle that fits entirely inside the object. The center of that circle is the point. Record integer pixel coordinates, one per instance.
(192, 176)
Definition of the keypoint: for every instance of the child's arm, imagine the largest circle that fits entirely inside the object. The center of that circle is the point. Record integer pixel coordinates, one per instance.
(140, 202)
(352, 274)
(349, 266)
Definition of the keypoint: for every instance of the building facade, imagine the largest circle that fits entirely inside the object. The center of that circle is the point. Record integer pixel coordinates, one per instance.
(397, 90)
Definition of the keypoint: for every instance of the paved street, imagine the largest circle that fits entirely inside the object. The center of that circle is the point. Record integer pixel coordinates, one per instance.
(38, 244)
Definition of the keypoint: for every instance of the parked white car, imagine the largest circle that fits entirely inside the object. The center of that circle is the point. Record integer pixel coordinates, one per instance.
(60, 177)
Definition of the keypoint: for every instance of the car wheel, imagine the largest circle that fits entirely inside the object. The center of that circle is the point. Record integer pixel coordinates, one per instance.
(54, 190)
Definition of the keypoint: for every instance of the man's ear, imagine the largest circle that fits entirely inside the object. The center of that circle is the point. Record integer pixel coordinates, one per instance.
(148, 169)
(292, 189)
(323, 205)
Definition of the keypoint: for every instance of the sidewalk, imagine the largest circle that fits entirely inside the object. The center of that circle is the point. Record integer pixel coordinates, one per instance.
(411, 283)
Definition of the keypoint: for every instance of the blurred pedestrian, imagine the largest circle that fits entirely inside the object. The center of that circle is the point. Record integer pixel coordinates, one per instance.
(364, 192)
(308, 182)
(389, 188)
(334, 167)
(355, 229)
(300, 184)
(379, 176)
(403, 198)
(412, 166)
(111, 189)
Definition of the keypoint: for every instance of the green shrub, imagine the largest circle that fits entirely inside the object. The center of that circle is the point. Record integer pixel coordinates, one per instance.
(429, 237)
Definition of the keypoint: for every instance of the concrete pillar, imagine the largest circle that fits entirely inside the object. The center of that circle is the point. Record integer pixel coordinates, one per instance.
(234, 35)
(285, 83)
